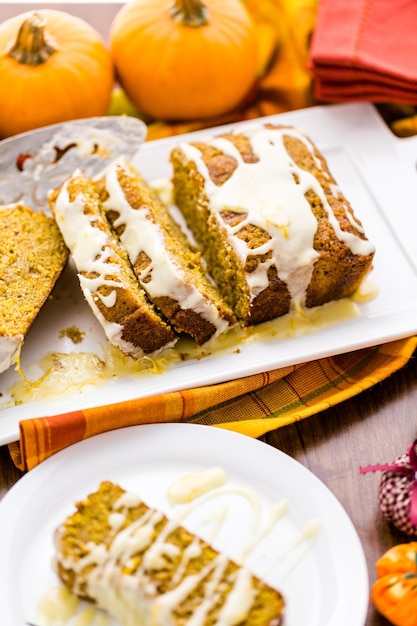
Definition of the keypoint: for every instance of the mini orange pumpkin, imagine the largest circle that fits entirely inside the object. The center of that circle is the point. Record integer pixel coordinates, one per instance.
(53, 67)
(183, 59)
(394, 593)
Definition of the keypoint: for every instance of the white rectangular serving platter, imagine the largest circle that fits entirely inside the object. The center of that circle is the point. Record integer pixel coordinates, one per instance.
(377, 173)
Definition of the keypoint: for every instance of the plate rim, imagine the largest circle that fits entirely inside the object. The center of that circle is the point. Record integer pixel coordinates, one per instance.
(13, 501)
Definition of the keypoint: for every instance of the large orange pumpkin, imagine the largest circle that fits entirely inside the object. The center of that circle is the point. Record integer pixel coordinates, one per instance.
(184, 59)
(53, 67)
(394, 593)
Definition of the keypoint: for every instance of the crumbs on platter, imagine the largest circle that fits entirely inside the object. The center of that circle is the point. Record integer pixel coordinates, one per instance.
(75, 334)
(61, 375)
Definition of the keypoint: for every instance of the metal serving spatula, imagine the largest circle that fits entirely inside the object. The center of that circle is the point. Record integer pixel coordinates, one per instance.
(33, 163)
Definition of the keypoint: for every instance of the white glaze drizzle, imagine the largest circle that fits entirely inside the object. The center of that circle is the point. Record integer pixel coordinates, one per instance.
(134, 598)
(259, 528)
(190, 486)
(266, 191)
(123, 595)
(10, 346)
(248, 494)
(90, 250)
(213, 521)
(164, 275)
(353, 221)
(278, 511)
(304, 541)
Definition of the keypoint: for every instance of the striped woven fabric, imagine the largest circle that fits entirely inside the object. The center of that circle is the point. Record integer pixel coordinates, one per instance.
(253, 405)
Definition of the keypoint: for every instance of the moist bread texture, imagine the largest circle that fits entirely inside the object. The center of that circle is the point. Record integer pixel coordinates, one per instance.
(275, 229)
(167, 267)
(146, 569)
(32, 256)
(106, 277)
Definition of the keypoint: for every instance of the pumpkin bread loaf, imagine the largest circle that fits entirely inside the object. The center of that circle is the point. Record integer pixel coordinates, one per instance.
(106, 277)
(274, 228)
(167, 267)
(145, 569)
(32, 257)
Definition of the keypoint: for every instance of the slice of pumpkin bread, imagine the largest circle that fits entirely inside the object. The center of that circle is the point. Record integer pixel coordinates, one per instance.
(167, 267)
(275, 229)
(145, 569)
(32, 256)
(106, 277)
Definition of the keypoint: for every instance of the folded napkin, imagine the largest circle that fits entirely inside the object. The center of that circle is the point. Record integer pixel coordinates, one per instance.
(252, 405)
(365, 50)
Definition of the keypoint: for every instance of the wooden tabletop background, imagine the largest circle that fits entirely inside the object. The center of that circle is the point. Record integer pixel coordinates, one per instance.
(374, 427)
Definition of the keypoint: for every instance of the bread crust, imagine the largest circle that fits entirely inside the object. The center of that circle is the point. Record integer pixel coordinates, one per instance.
(167, 266)
(106, 276)
(33, 255)
(203, 168)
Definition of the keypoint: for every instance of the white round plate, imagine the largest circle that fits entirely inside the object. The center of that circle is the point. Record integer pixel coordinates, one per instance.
(325, 583)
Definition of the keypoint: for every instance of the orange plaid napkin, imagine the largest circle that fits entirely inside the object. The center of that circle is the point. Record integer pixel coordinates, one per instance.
(252, 405)
(255, 404)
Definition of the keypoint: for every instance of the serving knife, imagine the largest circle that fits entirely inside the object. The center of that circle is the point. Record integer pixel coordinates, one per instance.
(33, 163)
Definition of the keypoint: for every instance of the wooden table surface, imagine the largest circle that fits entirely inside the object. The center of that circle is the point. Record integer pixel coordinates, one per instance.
(374, 427)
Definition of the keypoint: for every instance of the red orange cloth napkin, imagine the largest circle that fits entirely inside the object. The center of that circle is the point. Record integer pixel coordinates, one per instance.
(365, 50)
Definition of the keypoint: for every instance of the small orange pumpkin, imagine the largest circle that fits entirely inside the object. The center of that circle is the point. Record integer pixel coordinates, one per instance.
(184, 59)
(53, 67)
(394, 593)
